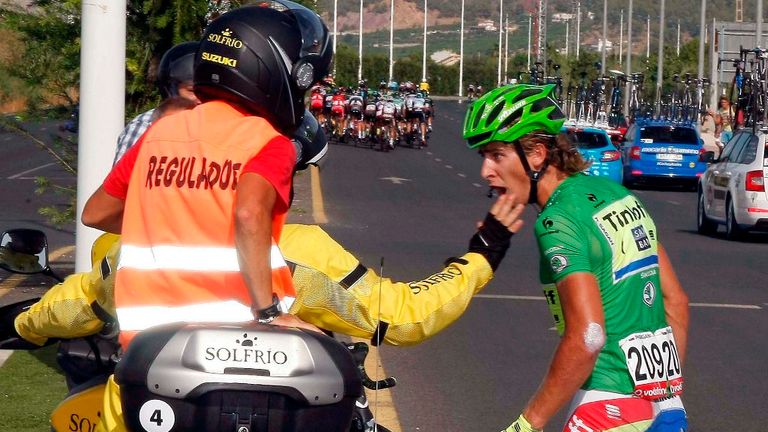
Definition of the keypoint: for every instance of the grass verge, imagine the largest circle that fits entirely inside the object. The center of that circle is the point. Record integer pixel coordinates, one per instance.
(31, 385)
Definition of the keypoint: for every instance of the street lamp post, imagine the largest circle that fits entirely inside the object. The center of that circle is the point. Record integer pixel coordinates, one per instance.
(360, 46)
(461, 52)
(391, 37)
(506, 48)
(628, 66)
(501, 23)
(648, 38)
(530, 23)
(621, 36)
(702, 31)
(660, 64)
(335, 33)
(605, 33)
(424, 49)
(578, 29)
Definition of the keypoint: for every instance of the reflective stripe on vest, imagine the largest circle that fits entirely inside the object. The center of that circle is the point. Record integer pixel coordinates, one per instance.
(135, 319)
(187, 258)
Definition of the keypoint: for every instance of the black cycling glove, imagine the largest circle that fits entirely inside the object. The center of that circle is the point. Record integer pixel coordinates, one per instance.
(491, 241)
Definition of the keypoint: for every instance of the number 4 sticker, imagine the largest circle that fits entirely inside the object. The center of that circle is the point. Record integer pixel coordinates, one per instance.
(157, 416)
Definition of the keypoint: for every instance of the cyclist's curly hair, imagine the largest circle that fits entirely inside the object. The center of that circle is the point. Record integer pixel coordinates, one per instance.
(561, 151)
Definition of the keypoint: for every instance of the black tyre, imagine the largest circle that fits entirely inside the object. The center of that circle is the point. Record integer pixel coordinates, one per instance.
(704, 225)
(732, 229)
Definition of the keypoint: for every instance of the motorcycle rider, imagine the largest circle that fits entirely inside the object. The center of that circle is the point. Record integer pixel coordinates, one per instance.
(174, 79)
(251, 71)
(609, 283)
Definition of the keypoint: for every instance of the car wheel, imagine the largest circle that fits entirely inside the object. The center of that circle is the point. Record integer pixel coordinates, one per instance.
(703, 224)
(732, 229)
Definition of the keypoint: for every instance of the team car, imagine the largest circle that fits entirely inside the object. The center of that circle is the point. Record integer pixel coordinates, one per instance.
(663, 152)
(732, 190)
(595, 145)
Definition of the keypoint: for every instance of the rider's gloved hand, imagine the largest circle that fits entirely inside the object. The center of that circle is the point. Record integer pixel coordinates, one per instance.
(492, 237)
(521, 425)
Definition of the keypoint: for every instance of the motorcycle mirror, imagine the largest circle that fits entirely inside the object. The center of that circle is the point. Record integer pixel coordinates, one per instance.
(24, 251)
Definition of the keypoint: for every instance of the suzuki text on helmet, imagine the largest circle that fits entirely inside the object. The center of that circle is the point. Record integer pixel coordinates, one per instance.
(264, 58)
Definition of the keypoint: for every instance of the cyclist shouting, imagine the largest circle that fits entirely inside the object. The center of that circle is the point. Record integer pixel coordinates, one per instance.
(616, 301)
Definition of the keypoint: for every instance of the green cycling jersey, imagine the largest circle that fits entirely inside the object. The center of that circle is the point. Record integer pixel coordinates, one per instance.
(595, 225)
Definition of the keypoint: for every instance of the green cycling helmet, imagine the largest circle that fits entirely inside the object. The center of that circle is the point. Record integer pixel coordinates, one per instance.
(507, 113)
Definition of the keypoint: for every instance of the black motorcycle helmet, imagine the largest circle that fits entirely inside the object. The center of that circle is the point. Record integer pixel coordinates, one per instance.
(263, 58)
(310, 142)
(176, 66)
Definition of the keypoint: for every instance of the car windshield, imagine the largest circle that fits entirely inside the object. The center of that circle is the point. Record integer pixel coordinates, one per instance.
(589, 140)
(668, 134)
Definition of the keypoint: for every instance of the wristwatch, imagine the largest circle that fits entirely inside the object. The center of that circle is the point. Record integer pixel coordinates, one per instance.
(269, 313)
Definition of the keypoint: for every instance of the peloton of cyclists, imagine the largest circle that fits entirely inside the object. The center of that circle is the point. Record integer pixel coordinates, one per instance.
(395, 112)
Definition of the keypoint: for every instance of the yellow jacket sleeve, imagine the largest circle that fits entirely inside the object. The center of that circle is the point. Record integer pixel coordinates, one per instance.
(77, 307)
(337, 293)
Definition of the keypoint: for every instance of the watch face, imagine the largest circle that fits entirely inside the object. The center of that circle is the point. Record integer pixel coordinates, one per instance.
(305, 76)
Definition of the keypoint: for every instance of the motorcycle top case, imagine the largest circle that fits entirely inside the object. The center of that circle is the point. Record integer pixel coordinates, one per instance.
(243, 378)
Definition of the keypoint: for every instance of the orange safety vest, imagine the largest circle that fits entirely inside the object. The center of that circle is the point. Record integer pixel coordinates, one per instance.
(178, 260)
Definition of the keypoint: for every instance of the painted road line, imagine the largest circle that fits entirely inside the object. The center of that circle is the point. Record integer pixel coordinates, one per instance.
(318, 207)
(449, 166)
(538, 298)
(380, 401)
(30, 170)
(724, 305)
(462, 175)
(477, 185)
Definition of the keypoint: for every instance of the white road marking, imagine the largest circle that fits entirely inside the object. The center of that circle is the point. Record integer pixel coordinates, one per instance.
(462, 175)
(725, 305)
(449, 167)
(35, 178)
(673, 202)
(476, 185)
(438, 160)
(30, 170)
(540, 298)
(395, 180)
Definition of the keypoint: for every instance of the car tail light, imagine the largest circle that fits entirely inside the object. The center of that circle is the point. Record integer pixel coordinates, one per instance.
(634, 153)
(755, 182)
(610, 156)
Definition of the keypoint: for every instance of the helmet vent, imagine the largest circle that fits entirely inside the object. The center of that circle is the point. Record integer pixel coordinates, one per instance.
(540, 105)
(478, 116)
(495, 112)
(527, 93)
(556, 114)
(472, 141)
(510, 120)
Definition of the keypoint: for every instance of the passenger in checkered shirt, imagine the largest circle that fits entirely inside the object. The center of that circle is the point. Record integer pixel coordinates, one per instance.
(174, 78)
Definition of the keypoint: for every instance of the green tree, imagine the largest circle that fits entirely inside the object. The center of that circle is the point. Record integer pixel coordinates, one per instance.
(45, 65)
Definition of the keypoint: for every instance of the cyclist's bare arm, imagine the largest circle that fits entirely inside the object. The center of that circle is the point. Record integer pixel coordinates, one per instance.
(675, 302)
(576, 354)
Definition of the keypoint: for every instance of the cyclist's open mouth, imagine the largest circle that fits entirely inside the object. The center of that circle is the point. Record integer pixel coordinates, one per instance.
(498, 190)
